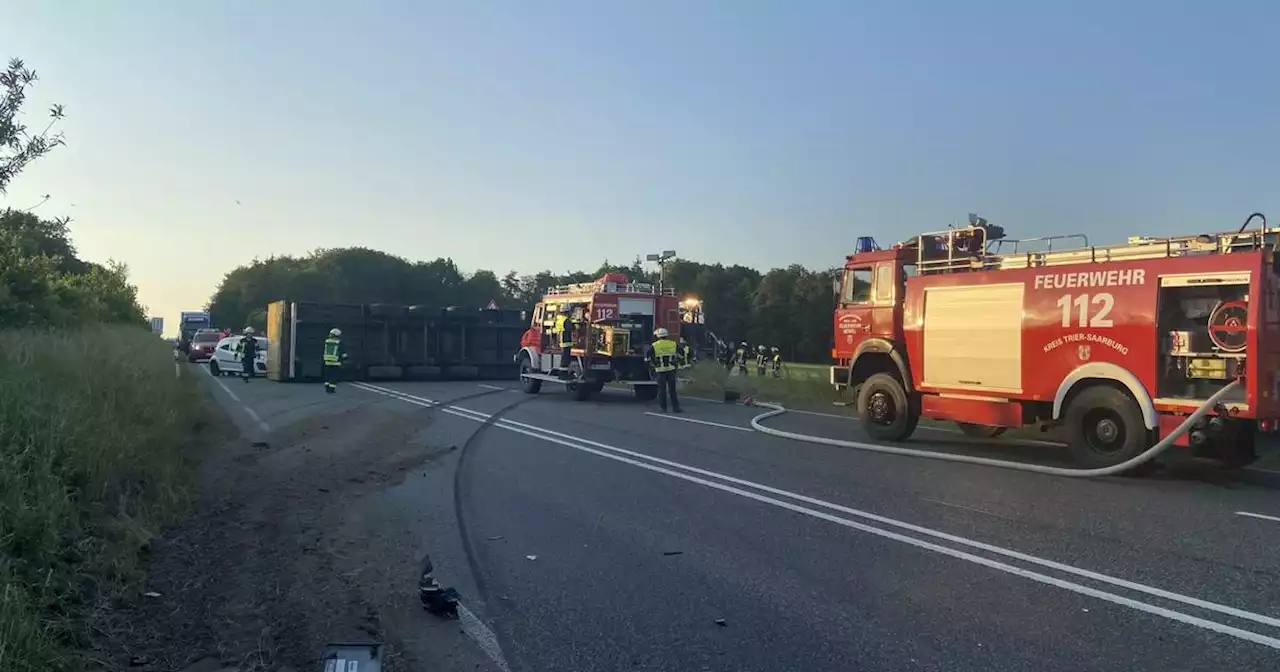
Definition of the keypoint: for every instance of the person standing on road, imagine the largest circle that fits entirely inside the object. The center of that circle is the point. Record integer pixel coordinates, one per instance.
(663, 356)
(334, 356)
(248, 349)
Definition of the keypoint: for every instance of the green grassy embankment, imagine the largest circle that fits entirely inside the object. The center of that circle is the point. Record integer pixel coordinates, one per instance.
(92, 426)
(804, 386)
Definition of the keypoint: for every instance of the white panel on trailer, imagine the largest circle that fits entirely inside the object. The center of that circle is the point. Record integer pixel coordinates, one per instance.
(635, 306)
(973, 337)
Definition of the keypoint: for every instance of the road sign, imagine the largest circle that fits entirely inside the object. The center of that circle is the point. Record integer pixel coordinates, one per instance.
(493, 305)
(157, 325)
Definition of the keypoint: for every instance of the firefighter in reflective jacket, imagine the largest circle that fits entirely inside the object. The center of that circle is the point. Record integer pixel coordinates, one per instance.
(664, 357)
(777, 362)
(334, 356)
(685, 353)
(564, 327)
(740, 357)
(247, 351)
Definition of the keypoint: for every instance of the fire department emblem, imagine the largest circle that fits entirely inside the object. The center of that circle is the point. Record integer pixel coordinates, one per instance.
(1082, 351)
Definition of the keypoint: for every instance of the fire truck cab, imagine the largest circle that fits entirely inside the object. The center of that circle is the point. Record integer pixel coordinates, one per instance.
(1114, 345)
(613, 320)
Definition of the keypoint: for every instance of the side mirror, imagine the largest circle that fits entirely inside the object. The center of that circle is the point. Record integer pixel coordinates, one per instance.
(835, 285)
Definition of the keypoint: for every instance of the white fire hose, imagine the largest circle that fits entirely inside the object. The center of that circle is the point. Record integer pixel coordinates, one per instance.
(1113, 470)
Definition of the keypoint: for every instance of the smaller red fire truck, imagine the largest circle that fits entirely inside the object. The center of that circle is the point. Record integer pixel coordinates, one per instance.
(613, 320)
(1116, 345)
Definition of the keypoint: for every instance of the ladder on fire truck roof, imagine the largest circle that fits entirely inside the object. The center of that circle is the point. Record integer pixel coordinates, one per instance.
(598, 287)
(969, 249)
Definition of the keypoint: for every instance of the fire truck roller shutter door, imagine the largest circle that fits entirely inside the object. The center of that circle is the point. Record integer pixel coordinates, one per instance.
(973, 337)
(1106, 371)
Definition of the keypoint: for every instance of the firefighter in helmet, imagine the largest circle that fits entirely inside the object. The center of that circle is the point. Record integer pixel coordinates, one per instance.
(334, 356)
(564, 329)
(777, 362)
(741, 357)
(247, 351)
(663, 355)
(761, 357)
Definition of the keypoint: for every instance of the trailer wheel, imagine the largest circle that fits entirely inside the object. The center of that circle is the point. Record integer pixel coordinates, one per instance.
(645, 392)
(980, 431)
(580, 388)
(885, 410)
(529, 385)
(1104, 428)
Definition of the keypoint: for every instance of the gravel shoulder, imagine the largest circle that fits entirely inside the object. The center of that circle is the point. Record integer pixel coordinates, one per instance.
(287, 548)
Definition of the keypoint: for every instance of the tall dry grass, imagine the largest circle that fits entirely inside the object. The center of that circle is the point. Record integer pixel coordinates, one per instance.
(92, 428)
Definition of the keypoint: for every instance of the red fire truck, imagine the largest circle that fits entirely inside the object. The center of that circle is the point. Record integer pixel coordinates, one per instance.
(1115, 344)
(613, 322)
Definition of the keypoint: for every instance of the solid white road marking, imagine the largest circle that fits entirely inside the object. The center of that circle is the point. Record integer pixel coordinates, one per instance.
(261, 423)
(483, 636)
(651, 463)
(492, 387)
(700, 422)
(1258, 515)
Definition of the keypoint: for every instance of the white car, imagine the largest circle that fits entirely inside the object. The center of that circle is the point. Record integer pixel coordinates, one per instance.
(226, 361)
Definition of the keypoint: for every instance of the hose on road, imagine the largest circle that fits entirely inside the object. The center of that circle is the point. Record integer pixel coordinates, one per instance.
(757, 423)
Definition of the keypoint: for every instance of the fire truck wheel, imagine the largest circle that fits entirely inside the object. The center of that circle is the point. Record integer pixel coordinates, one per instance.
(886, 412)
(529, 385)
(980, 431)
(1104, 427)
(581, 388)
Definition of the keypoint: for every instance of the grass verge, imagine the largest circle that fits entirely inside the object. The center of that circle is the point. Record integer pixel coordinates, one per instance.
(801, 388)
(92, 424)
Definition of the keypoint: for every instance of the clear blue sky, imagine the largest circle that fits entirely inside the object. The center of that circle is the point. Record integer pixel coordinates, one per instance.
(762, 133)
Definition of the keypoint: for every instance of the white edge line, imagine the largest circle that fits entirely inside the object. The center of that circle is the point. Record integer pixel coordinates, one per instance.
(260, 422)
(700, 422)
(547, 435)
(492, 387)
(483, 637)
(1258, 515)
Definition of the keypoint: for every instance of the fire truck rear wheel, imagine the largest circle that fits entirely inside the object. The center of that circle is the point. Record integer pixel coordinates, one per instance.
(1105, 427)
(885, 410)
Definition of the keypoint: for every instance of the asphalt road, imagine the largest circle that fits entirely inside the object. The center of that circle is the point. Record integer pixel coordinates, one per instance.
(600, 536)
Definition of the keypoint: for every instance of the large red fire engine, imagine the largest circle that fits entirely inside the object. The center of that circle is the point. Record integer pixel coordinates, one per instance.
(613, 320)
(1114, 344)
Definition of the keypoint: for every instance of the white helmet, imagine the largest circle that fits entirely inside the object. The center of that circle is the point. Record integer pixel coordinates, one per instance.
(248, 330)
(660, 332)
(335, 332)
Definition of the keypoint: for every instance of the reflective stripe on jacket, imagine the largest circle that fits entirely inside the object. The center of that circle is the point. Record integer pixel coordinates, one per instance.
(332, 352)
(664, 355)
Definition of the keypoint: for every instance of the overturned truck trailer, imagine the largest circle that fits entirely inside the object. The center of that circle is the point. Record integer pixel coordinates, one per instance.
(392, 342)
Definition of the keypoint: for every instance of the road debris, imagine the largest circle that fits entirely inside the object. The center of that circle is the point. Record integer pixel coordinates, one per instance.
(722, 623)
(530, 557)
(436, 599)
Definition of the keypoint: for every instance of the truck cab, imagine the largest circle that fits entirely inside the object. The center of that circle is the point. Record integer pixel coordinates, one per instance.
(868, 329)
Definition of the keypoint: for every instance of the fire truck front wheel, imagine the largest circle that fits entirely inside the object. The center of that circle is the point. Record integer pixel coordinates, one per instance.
(1104, 427)
(529, 385)
(886, 412)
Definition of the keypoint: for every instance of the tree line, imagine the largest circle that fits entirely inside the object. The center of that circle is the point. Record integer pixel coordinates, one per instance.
(42, 281)
(789, 307)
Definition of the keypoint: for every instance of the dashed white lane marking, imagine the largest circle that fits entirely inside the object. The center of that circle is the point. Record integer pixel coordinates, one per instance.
(492, 387)
(1258, 515)
(700, 422)
(652, 463)
(249, 411)
(483, 636)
